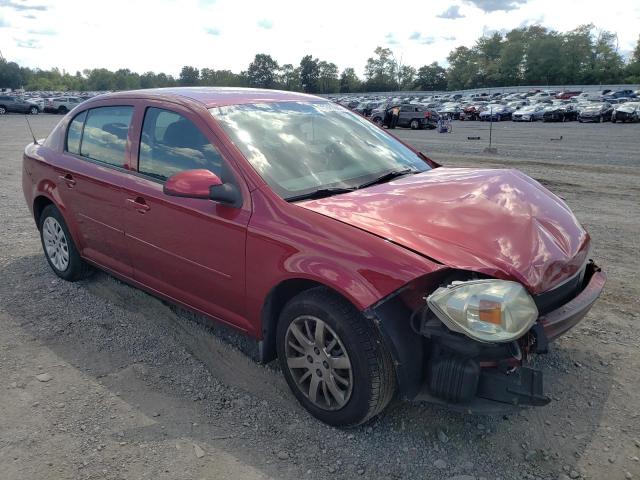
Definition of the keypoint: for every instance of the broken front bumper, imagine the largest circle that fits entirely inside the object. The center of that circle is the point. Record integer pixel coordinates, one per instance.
(491, 378)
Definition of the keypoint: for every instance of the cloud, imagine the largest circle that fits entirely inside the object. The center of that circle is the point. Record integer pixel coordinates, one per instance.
(390, 39)
(451, 13)
(28, 43)
(21, 5)
(449, 39)
(4, 23)
(44, 31)
(428, 40)
(29, 16)
(212, 31)
(496, 5)
(266, 24)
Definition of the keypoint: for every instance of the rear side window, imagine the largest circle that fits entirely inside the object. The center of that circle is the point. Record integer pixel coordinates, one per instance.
(74, 134)
(105, 134)
(170, 143)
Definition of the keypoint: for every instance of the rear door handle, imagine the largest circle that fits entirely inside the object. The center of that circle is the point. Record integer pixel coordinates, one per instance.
(68, 179)
(139, 204)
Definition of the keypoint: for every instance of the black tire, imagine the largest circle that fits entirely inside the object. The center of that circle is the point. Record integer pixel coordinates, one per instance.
(77, 269)
(62, 109)
(3, 109)
(377, 121)
(373, 374)
(34, 111)
(415, 124)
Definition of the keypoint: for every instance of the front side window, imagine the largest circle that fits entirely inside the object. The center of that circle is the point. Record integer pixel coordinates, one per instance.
(74, 134)
(105, 134)
(301, 147)
(170, 144)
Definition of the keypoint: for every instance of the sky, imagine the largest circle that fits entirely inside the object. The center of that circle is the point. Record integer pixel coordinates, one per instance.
(164, 35)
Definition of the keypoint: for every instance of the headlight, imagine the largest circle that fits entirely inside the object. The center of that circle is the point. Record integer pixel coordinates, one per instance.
(492, 311)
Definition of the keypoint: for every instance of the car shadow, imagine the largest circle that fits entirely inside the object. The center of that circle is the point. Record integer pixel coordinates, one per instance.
(160, 357)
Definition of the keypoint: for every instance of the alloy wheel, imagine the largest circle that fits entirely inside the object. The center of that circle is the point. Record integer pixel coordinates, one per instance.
(56, 245)
(318, 362)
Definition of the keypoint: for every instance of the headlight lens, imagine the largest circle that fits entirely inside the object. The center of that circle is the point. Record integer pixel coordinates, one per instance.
(492, 311)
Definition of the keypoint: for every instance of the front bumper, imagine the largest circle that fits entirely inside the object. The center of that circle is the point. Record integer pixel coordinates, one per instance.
(490, 378)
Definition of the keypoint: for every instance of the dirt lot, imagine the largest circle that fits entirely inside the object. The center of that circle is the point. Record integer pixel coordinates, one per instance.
(99, 380)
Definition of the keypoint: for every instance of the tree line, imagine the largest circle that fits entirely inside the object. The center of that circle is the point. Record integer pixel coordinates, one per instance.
(532, 55)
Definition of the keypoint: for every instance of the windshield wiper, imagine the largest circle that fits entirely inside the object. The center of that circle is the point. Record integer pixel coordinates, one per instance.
(320, 193)
(388, 176)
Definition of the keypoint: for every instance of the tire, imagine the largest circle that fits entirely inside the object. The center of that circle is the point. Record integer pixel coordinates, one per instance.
(3, 109)
(52, 224)
(601, 119)
(34, 111)
(62, 109)
(378, 121)
(415, 124)
(371, 382)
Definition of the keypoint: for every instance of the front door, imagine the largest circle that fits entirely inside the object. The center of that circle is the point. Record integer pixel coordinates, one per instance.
(191, 250)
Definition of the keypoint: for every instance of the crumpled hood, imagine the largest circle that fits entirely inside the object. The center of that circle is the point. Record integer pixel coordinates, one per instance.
(497, 222)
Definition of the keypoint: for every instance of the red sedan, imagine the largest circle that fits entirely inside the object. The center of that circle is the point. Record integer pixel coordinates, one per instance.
(367, 269)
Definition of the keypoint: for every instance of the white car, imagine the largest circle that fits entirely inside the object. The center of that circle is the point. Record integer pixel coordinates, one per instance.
(61, 104)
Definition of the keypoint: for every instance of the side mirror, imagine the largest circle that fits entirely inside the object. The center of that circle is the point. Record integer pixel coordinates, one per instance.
(202, 184)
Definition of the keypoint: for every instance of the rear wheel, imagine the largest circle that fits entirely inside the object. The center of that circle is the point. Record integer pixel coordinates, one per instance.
(62, 109)
(334, 359)
(3, 110)
(415, 124)
(34, 110)
(60, 251)
(377, 121)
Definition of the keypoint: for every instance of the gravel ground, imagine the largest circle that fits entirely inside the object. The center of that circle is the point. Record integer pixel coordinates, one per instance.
(100, 380)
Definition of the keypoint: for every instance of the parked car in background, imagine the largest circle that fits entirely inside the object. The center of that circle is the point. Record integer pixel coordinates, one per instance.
(528, 113)
(559, 113)
(10, 103)
(620, 94)
(496, 112)
(356, 261)
(627, 112)
(567, 94)
(596, 112)
(451, 110)
(61, 104)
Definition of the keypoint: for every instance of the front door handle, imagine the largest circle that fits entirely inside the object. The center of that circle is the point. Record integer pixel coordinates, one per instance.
(138, 204)
(68, 179)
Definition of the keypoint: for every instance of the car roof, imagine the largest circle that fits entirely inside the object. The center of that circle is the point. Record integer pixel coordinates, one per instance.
(216, 96)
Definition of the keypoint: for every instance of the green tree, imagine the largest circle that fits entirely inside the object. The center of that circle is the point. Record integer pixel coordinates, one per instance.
(463, 70)
(607, 62)
(328, 77)
(380, 71)
(189, 76)
(310, 74)
(10, 75)
(431, 77)
(263, 71)
(290, 77)
(349, 81)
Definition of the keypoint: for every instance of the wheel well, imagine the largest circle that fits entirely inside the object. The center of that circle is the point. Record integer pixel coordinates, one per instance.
(39, 204)
(273, 305)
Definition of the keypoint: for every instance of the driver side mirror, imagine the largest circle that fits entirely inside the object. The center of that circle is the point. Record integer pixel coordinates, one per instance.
(202, 184)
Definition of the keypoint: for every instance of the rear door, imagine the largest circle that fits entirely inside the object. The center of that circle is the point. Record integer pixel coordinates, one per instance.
(90, 174)
(191, 250)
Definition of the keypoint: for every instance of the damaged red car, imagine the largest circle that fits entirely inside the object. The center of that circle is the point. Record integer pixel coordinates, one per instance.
(364, 267)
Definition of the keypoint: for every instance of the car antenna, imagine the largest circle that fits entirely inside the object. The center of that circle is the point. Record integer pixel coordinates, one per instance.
(31, 130)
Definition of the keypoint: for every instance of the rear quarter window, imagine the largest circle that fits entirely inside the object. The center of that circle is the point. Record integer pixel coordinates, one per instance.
(74, 133)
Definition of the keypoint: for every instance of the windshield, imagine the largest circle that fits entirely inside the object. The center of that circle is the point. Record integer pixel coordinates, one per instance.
(301, 147)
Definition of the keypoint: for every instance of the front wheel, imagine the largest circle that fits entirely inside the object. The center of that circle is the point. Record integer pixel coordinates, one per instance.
(415, 124)
(334, 359)
(34, 110)
(62, 110)
(3, 110)
(60, 251)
